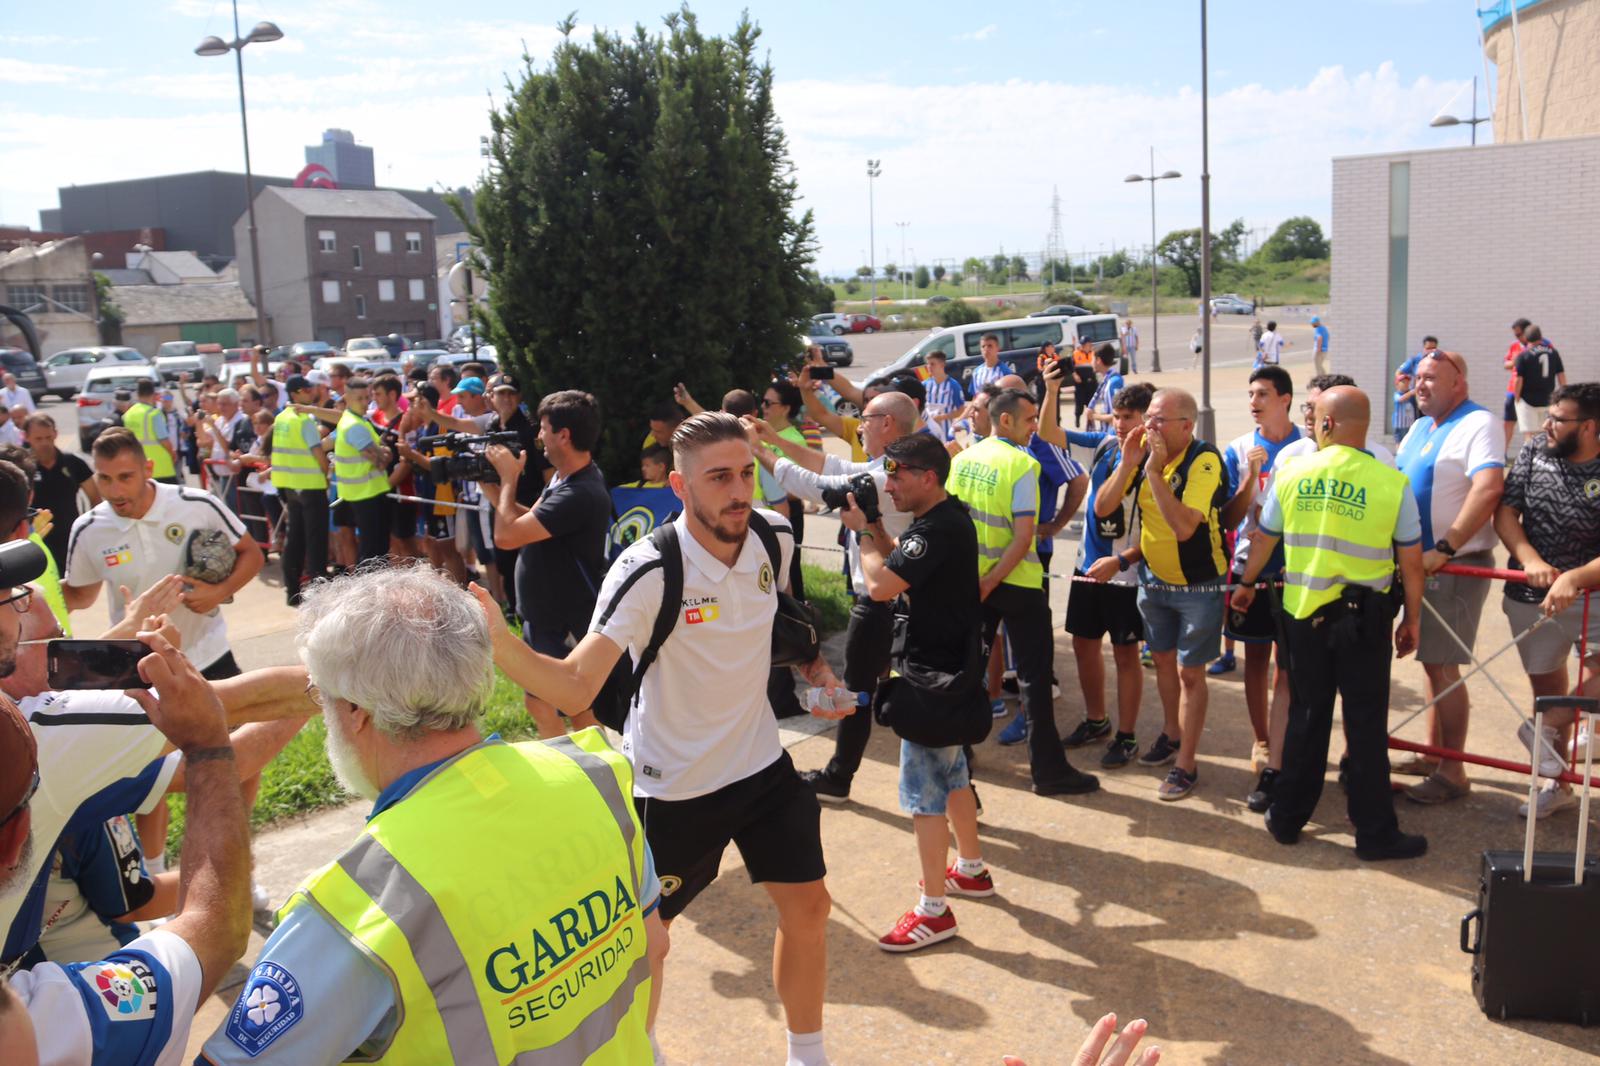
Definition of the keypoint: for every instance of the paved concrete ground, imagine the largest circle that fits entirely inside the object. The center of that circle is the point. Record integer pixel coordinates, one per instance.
(1237, 949)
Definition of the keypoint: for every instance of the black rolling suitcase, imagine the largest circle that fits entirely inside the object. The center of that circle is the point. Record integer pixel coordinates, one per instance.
(1538, 915)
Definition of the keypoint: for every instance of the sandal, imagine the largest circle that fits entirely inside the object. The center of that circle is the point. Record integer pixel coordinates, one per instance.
(1436, 789)
(1416, 765)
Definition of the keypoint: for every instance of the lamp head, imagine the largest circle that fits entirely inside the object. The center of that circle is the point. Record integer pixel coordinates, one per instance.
(1134, 177)
(265, 32)
(1445, 120)
(1172, 174)
(212, 46)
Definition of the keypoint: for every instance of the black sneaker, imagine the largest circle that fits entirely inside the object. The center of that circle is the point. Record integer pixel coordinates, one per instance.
(976, 802)
(1282, 836)
(1260, 797)
(826, 786)
(1074, 783)
(1089, 730)
(1119, 753)
(1162, 752)
(1344, 772)
(1009, 685)
(1402, 846)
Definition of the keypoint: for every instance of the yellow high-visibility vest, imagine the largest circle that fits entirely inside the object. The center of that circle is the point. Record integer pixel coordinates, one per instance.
(983, 477)
(293, 465)
(142, 421)
(354, 476)
(1340, 507)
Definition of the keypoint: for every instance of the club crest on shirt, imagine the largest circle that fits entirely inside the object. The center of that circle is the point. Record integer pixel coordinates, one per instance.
(174, 533)
(1591, 488)
(764, 577)
(269, 1005)
(126, 989)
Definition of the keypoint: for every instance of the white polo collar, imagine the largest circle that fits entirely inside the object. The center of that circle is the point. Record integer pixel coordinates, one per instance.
(713, 568)
(154, 514)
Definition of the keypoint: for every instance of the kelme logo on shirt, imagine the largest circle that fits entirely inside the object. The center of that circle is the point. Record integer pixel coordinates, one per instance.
(117, 556)
(269, 1005)
(697, 609)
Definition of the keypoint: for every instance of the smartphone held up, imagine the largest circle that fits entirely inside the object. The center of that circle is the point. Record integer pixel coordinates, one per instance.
(95, 664)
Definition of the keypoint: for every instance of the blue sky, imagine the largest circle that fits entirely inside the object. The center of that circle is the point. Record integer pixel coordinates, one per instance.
(977, 111)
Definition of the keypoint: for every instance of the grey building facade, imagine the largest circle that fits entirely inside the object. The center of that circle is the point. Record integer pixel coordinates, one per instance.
(349, 163)
(342, 263)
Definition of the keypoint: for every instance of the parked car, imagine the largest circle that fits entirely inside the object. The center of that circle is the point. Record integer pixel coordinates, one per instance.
(941, 299)
(1057, 310)
(835, 351)
(310, 350)
(357, 347)
(65, 371)
(1232, 304)
(1020, 339)
(861, 324)
(486, 356)
(426, 357)
(97, 408)
(178, 357)
(19, 363)
(833, 321)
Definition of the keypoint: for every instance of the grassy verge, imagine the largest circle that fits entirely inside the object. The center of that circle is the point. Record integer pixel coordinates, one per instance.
(300, 780)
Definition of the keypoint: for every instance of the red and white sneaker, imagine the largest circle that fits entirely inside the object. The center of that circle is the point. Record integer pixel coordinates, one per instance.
(958, 884)
(915, 931)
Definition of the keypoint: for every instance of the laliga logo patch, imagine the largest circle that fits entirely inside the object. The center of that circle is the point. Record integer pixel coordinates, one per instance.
(913, 547)
(269, 1006)
(127, 990)
(174, 532)
(764, 578)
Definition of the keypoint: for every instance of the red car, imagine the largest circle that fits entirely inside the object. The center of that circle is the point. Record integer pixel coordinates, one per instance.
(863, 324)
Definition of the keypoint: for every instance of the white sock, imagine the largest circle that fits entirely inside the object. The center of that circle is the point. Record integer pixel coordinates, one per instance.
(931, 906)
(157, 863)
(969, 867)
(805, 1049)
(655, 1052)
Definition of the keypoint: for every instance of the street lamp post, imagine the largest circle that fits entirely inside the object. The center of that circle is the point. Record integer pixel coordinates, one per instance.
(1207, 422)
(264, 33)
(1451, 120)
(1155, 297)
(873, 170)
(901, 269)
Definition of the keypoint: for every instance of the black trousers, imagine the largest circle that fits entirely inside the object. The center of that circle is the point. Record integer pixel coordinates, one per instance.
(867, 641)
(374, 517)
(305, 545)
(1026, 614)
(1338, 652)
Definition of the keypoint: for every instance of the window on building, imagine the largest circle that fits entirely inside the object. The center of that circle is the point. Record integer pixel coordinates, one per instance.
(330, 292)
(386, 291)
(326, 241)
(28, 298)
(73, 298)
(419, 290)
(361, 307)
(381, 243)
(413, 241)
(355, 256)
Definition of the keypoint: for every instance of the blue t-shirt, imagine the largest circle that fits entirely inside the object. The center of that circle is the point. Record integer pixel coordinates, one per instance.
(1113, 533)
(1409, 367)
(1320, 333)
(1107, 391)
(1057, 469)
(1237, 466)
(981, 375)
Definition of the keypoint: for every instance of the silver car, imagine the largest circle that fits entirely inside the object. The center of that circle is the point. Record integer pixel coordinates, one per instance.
(65, 371)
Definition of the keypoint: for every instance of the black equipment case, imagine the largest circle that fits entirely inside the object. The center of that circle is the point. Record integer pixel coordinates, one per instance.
(1538, 915)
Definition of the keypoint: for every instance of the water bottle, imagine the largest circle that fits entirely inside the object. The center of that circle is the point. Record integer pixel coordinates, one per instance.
(817, 699)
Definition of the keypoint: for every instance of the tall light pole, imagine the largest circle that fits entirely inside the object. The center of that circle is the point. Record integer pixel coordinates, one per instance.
(1207, 427)
(1451, 120)
(264, 33)
(901, 226)
(873, 170)
(1155, 292)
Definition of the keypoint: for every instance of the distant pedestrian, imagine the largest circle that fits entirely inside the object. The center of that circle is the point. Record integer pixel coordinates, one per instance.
(1319, 345)
(1255, 337)
(1539, 372)
(1269, 351)
(1130, 345)
(1196, 344)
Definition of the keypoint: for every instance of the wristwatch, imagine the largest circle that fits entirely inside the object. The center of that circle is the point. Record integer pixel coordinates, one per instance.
(1122, 563)
(1443, 547)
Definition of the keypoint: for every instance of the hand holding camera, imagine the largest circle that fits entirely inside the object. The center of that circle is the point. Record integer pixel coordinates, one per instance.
(860, 497)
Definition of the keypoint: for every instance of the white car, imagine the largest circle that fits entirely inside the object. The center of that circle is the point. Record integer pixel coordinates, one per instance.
(179, 357)
(834, 323)
(66, 371)
(97, 408)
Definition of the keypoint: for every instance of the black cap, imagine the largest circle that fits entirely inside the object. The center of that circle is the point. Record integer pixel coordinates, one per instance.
(504, 381)
(297, 382)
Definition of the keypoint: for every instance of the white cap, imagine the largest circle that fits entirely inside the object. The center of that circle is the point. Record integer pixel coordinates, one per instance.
(318, 377)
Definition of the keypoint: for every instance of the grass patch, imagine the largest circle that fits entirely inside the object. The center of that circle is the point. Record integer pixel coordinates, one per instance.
(300, 781)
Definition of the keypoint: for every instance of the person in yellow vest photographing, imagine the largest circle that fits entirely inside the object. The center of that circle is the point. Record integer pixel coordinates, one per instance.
(429, 940)
(149, 423)
(1343, 518)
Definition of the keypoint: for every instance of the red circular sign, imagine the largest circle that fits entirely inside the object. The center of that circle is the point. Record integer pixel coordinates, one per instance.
(315, 176)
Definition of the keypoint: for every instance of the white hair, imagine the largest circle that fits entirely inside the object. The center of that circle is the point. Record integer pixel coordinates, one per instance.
(228, 394)
(402, 642)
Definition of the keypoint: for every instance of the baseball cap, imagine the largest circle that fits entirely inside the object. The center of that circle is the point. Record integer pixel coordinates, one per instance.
(1315, 319)
(472, 385)
(503, 381)
(318, 377)
(297, 382)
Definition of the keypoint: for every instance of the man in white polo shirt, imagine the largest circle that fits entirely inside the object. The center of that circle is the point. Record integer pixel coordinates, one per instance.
(709, 767)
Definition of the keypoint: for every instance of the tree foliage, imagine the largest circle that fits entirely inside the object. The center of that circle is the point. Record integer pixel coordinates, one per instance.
(638, 223)
(938, 272)
(922, 279)
(1297, 238)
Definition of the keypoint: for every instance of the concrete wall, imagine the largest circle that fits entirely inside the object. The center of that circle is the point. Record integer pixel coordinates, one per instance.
(51, 268)
(286, 292)
(1496, 233)
(1560, 39)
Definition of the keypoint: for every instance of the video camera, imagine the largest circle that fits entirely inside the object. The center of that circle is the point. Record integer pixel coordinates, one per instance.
(866, 493)
(466, 461)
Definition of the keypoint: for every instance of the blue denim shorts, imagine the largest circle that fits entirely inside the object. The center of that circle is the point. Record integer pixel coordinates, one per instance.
(1188, 618)
(929, 775)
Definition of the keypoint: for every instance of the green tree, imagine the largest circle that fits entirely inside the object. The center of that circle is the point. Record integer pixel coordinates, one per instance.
(1181, 248)
(852, 286)
(1018, 267)
(972, 265)
(957, 278)
(646, 172)
(938, 273)
(958, 313)
(820, 294)
(890, 272)
(922, 279)
(997, 266)
(1227, 245)
(863, 272)
(1298, 238)
(111, 313)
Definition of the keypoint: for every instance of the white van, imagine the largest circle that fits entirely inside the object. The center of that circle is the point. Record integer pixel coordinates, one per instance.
(1020, 339)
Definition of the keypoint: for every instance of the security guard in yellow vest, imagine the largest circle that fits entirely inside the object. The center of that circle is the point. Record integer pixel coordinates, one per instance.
(1343, 517)
(498, 906)
(360, 473)
(149, 423)
(300, 474)
(998, 480)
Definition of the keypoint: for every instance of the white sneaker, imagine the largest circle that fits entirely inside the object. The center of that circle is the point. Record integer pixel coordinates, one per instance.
(1551, 798)
(1549, 761)
(1579, 743)
(259, 899)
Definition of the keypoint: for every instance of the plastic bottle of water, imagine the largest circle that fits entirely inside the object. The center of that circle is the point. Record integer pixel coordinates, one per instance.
(817, 699)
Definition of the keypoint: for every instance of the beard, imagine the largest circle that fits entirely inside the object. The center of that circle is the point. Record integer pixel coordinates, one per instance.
(8, 660)
(1555, 449)
(346, 762)
(730, 526)
(23, 870)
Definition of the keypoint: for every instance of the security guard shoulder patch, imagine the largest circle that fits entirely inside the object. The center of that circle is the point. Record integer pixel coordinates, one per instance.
(269, 1005)
(913, 546)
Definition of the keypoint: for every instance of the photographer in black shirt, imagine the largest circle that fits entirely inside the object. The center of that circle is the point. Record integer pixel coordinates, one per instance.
(505, 398)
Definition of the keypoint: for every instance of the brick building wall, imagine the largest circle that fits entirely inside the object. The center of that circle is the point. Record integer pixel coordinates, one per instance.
(362, 309)
(1560, 39)
(1495, 233)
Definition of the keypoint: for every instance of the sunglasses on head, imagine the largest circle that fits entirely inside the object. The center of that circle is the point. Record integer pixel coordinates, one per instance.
(891, 466)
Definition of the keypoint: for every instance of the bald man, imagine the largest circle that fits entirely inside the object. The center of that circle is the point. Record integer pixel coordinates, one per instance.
(1454, 457)
(1339, 513)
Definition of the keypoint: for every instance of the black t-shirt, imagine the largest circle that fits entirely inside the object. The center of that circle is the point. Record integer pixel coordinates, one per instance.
(1559, 502)
(531, 483)
(559, 578)
(1538, 366)
(56, 489)
(938, 557)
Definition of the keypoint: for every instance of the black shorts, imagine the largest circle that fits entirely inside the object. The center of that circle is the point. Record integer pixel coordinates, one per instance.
(1095, 610)
(771, 816)
(222, 669)
(1257, 625)
(442, 527)
(405, 520)
(344, 514)
(1510, 414)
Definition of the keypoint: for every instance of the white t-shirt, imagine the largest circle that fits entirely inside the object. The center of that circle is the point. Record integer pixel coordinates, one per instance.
(701, 720)
(133, 1008)
(1440, 459)
(1271, 348)
(99, 756)
(799, 481)
(138, 552)
(18, 397)
(1307, 445)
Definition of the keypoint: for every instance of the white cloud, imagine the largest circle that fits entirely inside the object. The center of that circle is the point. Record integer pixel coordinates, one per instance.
(978, 35)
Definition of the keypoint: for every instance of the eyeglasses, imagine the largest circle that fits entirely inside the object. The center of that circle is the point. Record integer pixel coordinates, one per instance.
(1161, 421)
(1552, 419)
(20, 602)
(22, 804)
(771, 403)
(893, 466)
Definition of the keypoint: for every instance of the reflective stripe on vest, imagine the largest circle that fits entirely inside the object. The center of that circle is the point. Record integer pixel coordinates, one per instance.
(353, 474)
(293, 465)
(1339, 507)
(983, 478)
(140, 419)
(533, 954)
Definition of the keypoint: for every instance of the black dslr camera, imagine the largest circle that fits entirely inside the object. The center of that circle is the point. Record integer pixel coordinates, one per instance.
(466, 461)
(866, 493)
